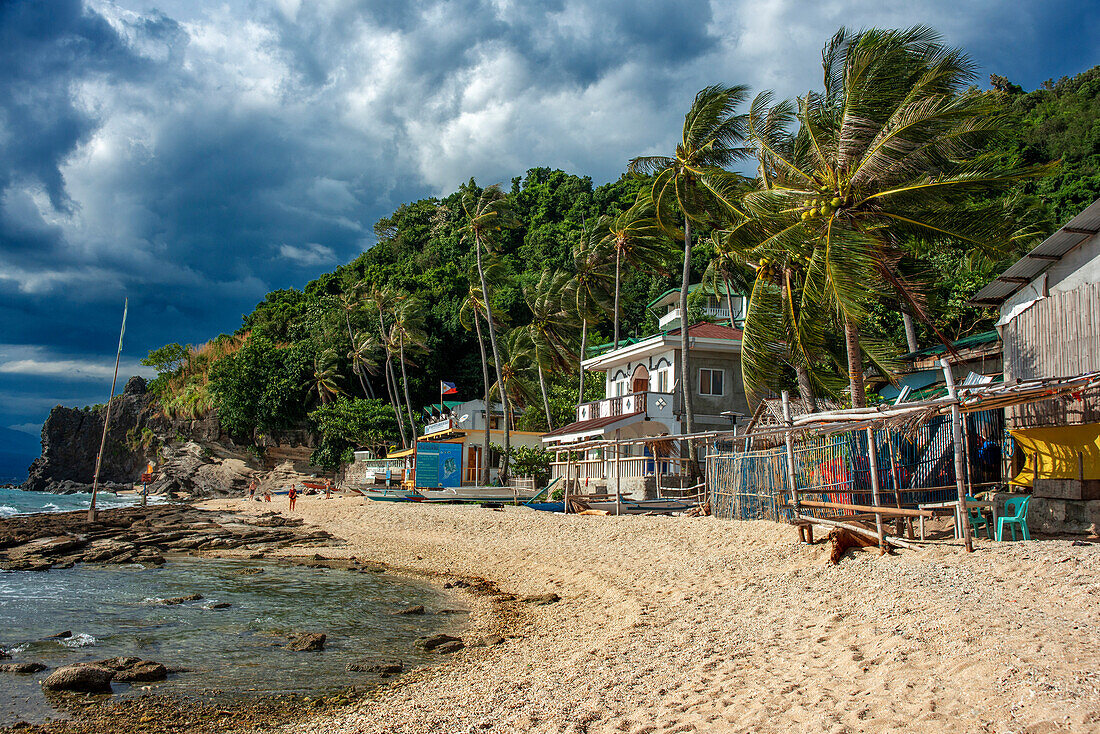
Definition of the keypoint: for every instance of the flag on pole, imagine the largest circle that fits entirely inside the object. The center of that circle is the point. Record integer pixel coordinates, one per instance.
(447, 388)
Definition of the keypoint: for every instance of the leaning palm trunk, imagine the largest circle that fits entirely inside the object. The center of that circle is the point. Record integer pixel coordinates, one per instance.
(391, 388)
(855, 363)
(685, 368)
(618, 275)
(367, 392)
(584, 346)
(729, 302)
(545, 400)
(405, 385)
(910, 329)
(485, 380)
(496, 365)
(805, 388)
(391, 383)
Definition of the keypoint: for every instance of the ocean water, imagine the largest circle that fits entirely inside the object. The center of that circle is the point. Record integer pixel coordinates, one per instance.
(114, 610)
(18, 502)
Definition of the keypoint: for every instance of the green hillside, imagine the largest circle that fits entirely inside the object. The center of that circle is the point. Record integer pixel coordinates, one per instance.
(291, 362)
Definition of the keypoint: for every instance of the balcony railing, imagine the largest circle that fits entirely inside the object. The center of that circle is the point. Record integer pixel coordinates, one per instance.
(653, 404)
(603, 469)
(673, 316)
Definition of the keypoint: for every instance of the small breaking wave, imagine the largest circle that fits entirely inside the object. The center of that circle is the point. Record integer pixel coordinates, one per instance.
(8, 511)
(79, 640)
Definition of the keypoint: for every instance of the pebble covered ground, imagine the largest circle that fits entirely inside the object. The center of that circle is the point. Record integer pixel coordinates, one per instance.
(674, 624)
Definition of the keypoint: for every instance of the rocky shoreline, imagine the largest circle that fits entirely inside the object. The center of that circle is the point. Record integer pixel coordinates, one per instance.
(145, 536)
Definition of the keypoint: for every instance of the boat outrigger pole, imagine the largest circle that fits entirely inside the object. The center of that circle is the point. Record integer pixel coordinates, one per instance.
(107, 417)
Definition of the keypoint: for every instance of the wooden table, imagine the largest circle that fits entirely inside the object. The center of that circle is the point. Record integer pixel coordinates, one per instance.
(951, 508)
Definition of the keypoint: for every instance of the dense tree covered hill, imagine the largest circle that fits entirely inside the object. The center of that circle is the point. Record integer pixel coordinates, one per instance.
(1060, 121)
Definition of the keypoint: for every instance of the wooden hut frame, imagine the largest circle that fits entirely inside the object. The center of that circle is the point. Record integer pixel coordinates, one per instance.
(901, 417)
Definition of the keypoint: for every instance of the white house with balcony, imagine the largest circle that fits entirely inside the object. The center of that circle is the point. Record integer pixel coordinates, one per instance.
(718, 306)
(643, 399)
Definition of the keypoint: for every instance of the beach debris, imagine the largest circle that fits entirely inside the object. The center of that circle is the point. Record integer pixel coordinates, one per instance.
(541, 599)
(385, 670)
(486, 641)
(22, 668)
(307, 642)
(177, 600)
(80, 678)
(433, 641)
(449, 647)
(414, 609)
(840, 540)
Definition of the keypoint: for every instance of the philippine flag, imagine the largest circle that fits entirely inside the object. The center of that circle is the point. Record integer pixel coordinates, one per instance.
(447, 388)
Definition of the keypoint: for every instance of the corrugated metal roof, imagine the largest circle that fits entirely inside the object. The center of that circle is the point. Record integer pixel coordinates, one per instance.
(1033, 264)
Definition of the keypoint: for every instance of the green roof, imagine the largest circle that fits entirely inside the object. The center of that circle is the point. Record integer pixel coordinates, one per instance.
(691, 289)
(985, 337)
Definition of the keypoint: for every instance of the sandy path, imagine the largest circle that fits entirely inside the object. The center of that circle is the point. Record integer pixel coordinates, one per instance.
(696, 624)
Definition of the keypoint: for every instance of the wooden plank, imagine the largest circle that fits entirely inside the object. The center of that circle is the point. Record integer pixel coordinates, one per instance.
(892, 511)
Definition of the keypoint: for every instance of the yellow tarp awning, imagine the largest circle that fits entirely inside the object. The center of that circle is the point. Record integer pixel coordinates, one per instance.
(1062, 452)
(400, 454)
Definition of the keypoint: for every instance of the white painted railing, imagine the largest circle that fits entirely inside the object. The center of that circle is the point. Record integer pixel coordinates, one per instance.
(653, 404)
(673, 317)
(603, 469)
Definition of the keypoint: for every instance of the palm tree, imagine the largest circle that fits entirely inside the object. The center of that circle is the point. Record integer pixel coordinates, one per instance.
(694, 183)
(407, 333)
(724, 273)
(364, 358)
(550, 329)
(633, 238)
(588, 292)
(891, 152)
(516, 371)
(470, 315)
(488, 214)
(383, 300)
(348, 303)
(324, 379)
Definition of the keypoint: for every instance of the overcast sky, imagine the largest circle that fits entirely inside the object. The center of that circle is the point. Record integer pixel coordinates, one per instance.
(194, 155)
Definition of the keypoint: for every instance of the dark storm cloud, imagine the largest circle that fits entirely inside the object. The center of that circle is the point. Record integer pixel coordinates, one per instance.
(194, 155)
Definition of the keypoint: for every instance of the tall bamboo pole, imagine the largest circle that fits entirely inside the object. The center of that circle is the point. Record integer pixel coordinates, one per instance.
(872, 459)
(107, 417)
(960, 468)
(786, 397)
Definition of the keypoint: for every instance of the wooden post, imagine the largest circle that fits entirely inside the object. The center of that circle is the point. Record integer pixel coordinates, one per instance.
(568, 471)
(872, 460)
(896, 478)
(618, 490)
(107, 416)
(956, 435)
(791, 480)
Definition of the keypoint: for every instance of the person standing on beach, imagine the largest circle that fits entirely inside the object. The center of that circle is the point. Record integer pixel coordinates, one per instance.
(252, 490)
(293, 495)
(328, 489)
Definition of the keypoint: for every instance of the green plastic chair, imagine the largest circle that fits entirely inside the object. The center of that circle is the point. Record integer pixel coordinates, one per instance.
(977, 519)
(1015, 513)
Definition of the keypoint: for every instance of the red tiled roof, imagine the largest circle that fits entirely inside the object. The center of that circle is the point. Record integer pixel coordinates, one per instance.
(707, 330)
(588, 425)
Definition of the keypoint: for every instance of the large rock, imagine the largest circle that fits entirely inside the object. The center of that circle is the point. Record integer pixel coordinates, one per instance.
(434, 641)
(145, 671)
(81, 678)
(307, 641)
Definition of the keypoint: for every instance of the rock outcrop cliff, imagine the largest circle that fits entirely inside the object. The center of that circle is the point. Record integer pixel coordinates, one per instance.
(71, 436)
(191, 458)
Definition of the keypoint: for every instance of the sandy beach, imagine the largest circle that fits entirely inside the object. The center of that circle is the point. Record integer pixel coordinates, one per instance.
(696, 624)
